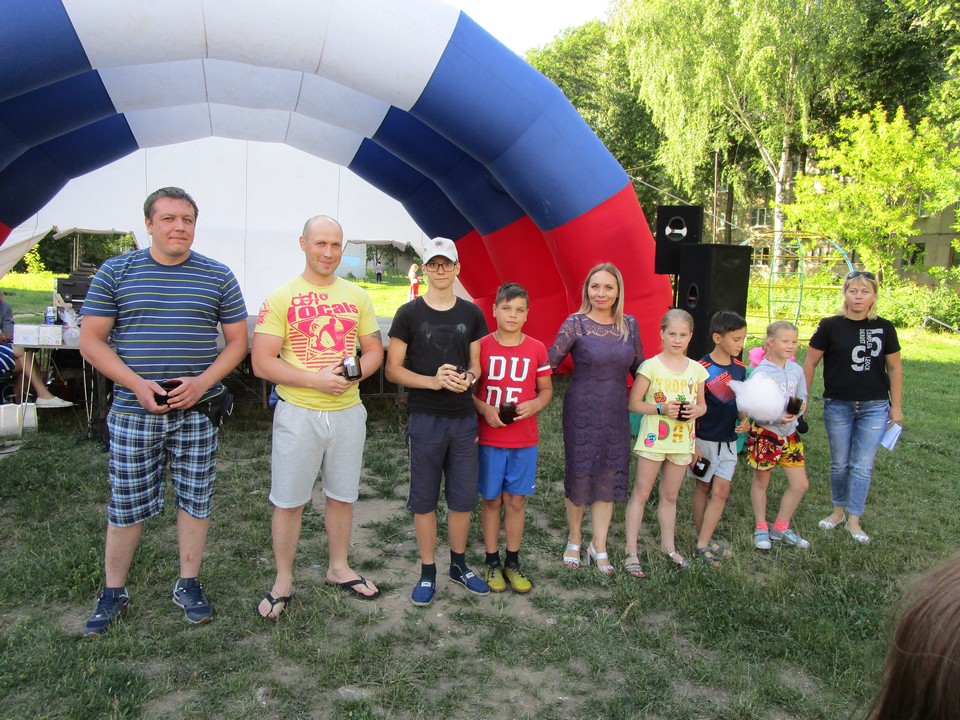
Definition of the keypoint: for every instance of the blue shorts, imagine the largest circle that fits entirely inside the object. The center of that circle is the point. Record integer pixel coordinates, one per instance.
(511, 470)
(141, 447)
(442, 448)
(7, 359)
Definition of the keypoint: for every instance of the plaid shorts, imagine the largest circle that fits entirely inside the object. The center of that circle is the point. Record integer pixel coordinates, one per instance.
(141, 448)
(766, 450)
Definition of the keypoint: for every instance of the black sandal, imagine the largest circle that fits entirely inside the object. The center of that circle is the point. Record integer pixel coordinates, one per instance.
(708, 557)
(274, 601)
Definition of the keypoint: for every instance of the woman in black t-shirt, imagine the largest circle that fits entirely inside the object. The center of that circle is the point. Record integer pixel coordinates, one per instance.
(862, 395)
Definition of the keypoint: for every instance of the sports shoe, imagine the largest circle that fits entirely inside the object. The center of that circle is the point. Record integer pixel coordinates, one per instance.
(790, 538)
(53, 402)
(465, 576)
(110, 603)
(423, 592)
(188, 596)
(761, 539)
(518, 581)
(493, 575)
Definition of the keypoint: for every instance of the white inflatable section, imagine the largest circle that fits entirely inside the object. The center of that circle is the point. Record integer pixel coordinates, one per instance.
(175, 111)
(253, 199)
(386, 49)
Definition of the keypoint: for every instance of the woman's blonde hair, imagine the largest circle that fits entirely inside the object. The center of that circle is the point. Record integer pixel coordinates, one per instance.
(619, 323)
(864, 278)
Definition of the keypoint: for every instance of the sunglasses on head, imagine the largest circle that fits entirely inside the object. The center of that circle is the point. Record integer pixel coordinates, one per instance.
(864, 273)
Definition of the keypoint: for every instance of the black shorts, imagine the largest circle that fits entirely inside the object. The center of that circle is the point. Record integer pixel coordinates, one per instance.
(442, 447)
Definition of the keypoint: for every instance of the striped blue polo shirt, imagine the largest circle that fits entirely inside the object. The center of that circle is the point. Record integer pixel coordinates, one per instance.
(165, 316)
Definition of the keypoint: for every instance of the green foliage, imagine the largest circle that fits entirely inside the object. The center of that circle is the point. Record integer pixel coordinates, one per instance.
(57, 254)
(33, 262)
(905, 304)
(715, 73)
(876, 173)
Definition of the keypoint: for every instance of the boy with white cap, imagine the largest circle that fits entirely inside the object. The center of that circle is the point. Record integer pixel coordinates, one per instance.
(434, 353)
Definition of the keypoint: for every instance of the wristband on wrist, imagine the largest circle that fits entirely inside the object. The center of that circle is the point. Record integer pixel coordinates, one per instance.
(659, 409)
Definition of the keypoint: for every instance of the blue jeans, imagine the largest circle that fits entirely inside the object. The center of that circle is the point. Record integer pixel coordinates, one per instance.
(854, 430)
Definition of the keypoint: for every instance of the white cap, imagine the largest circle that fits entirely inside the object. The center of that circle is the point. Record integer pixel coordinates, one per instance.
(440, 246)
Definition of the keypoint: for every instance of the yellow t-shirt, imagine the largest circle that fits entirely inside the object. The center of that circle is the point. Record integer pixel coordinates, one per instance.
(319, 327)
(658, 433)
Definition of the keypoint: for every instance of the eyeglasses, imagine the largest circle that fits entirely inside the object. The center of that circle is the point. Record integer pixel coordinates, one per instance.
(858, 273)
(447, 266)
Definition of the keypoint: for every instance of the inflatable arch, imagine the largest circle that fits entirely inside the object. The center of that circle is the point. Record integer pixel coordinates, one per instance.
(411, 95)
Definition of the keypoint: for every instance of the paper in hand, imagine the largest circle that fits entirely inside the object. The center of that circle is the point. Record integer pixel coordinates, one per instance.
(890, 437)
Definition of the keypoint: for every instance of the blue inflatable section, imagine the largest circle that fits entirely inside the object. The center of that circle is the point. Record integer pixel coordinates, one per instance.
(37, 175)
(537, 146)
(38, 46)
(468, 184)
(427, 204)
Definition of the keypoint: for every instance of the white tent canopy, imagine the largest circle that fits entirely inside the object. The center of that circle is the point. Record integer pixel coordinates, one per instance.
(253, 197)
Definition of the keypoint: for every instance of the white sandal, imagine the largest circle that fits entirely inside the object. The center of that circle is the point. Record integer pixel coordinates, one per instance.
(572, 562)
(631, 564)
(828, 524)
(601, 560)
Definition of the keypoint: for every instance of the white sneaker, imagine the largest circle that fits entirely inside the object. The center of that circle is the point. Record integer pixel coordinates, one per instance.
(53, 402)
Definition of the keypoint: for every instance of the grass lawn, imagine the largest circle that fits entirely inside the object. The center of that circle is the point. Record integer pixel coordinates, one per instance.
(786, 634)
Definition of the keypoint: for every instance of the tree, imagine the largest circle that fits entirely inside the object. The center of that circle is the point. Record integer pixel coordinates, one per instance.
(56, 253)
(875, 175)
(943, 18)
(712, 71)
(894, 57)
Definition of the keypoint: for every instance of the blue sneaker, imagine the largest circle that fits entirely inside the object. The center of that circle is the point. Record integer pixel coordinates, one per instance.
(789, 537)
(761, 539)
(188, 596)
(464, 576)
(423, 592)
(110, 603)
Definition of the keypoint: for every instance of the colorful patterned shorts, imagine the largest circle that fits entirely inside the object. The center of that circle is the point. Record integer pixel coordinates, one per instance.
(766, 450)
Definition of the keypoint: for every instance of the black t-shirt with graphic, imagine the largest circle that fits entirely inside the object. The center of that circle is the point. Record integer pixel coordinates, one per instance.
(433, 338)
(854, 362)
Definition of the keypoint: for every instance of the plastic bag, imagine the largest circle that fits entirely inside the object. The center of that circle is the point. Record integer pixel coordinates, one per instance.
(71, 329)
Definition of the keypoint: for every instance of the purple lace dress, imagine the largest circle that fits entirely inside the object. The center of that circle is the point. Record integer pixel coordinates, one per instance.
(596, 424)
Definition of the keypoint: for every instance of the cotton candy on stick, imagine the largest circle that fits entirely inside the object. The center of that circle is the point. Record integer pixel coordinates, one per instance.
(759, 397)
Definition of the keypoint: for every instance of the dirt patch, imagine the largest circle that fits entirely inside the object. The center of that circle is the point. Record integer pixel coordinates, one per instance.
(171, 705)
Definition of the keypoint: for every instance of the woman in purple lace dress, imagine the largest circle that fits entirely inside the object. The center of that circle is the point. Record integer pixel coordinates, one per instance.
(605, 347)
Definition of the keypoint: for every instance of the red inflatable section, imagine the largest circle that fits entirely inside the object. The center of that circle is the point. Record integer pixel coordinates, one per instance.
(553, 265)
(4, 233)
(519, 253)
(615, 231)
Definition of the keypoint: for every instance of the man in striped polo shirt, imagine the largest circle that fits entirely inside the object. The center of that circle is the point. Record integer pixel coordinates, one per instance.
(150, 324)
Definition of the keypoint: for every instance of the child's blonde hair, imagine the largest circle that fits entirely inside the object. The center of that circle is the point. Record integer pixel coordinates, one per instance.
(778, 326)
(676, 314)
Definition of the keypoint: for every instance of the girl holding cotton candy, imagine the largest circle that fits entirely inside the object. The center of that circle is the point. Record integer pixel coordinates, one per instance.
(775, 395)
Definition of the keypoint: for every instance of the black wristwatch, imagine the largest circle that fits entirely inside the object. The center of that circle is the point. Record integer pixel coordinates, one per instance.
(470, 373)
